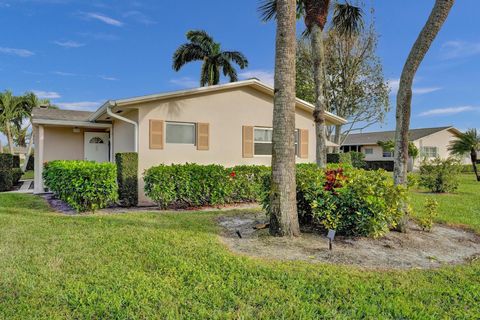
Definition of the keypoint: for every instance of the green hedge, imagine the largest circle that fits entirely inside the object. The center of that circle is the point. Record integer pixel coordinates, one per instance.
(386, 165)
(439, 176)
(6, 161)
(192, 185)
(358, 159)
(127, 178)
(352, 201)
(6, 180)
(84, 185)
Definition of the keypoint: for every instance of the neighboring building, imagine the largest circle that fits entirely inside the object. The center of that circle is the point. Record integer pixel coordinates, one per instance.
(431, 143)
(226, 124)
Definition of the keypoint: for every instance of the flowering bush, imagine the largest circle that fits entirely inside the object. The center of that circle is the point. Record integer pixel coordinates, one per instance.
(351, 201)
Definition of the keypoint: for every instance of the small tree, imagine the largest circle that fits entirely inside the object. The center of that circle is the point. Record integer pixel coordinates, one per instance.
(467, 143)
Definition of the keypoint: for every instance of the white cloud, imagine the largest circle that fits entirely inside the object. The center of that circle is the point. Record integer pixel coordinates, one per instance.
(448, 111)
(394, 84)
(46, 94)
(459, 49)
(103, 18)
(185, 82)
(69, 44)
(65, 74)
(108, 78)
(79, 105)
(24, 53)
(139, 17)
(262, 75)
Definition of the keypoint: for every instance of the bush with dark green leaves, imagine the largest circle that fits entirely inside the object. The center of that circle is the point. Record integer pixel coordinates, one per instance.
(84, 185)
(358, 159)
(440, 175)
(127, 178)
(6, 180)
(193, 185)
(351, 201)
(344, 158)
(6, 161)
(17, 174)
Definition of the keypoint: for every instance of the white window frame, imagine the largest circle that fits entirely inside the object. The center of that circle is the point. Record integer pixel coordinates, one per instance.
(388, 154)
(368, 153)
(297, 138)
(193, 124)
(429, 153)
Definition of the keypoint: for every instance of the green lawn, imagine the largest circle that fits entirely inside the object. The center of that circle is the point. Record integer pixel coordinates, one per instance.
(171, 265)
(28, 175)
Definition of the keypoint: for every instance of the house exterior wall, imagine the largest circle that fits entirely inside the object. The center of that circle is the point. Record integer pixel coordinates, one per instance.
(377, 154)
(226, 113)
(61, 143)
(124, 133)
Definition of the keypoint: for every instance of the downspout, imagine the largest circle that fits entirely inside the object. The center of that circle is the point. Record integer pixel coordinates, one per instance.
(116, 116)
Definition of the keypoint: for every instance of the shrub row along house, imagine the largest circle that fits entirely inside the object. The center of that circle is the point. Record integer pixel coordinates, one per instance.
(431, 143)
(227, 124)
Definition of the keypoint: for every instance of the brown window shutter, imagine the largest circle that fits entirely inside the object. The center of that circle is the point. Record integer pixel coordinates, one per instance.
(303, 143)
(156, 134)
(203, 136)
(247, 141)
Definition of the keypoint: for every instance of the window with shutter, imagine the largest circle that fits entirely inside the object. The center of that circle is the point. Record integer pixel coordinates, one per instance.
(156, 134)
(247, 141)
(303, 143)
(203, 136)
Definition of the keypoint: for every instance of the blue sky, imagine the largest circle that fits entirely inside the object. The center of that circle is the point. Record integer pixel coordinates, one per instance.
(81, 53)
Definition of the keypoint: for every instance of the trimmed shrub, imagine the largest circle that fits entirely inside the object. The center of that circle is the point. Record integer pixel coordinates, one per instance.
(127, 178)
(358, 159)
(15, 161)
(431, 212)
(16, 175)
(386, 165)
(84, 185)
(439, 175)
(354, 202)
(247, 182)
(6, 161)
(193, 185)
(6, 180)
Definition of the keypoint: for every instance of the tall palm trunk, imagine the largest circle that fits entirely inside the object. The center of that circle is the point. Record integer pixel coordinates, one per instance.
(8, 130)
(284, 218)
(434, 23)
(316, 38)
(473, 157)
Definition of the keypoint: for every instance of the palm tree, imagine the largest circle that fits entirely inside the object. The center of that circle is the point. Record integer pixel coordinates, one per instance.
(420, 48)
(31, 101)
(283, 201)
(347, 19)
(467, 143)
(12, 113)
(202, 47)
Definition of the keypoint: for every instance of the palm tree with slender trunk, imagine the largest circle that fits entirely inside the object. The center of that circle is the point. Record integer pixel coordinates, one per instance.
(467, 143)
(11, 114)
(347, 19)
(202, 47)
(420, 48)
(283, 201)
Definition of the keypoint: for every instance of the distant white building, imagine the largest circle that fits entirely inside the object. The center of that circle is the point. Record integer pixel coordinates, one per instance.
(431, 143)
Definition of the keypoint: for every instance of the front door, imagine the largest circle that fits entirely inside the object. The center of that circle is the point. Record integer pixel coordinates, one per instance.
(97, 146)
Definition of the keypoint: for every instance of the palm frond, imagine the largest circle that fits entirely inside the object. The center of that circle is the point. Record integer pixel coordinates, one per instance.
(268, 10)
(187, 52)
(229, 71)
(347, 19)
(465, 143)
(237, 57)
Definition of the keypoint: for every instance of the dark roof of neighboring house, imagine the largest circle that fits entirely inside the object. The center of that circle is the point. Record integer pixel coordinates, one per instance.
(370, 138)
(58, 114)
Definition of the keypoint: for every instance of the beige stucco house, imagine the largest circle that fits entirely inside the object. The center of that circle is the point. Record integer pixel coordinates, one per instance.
(227, 124)
(431, 143)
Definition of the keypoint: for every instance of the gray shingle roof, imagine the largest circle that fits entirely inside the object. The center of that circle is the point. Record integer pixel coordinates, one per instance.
(58, 114)
(370, 138)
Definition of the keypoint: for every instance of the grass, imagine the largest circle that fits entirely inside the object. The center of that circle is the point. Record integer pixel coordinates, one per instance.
(171, 265)
(459, 208)
(28, 175)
